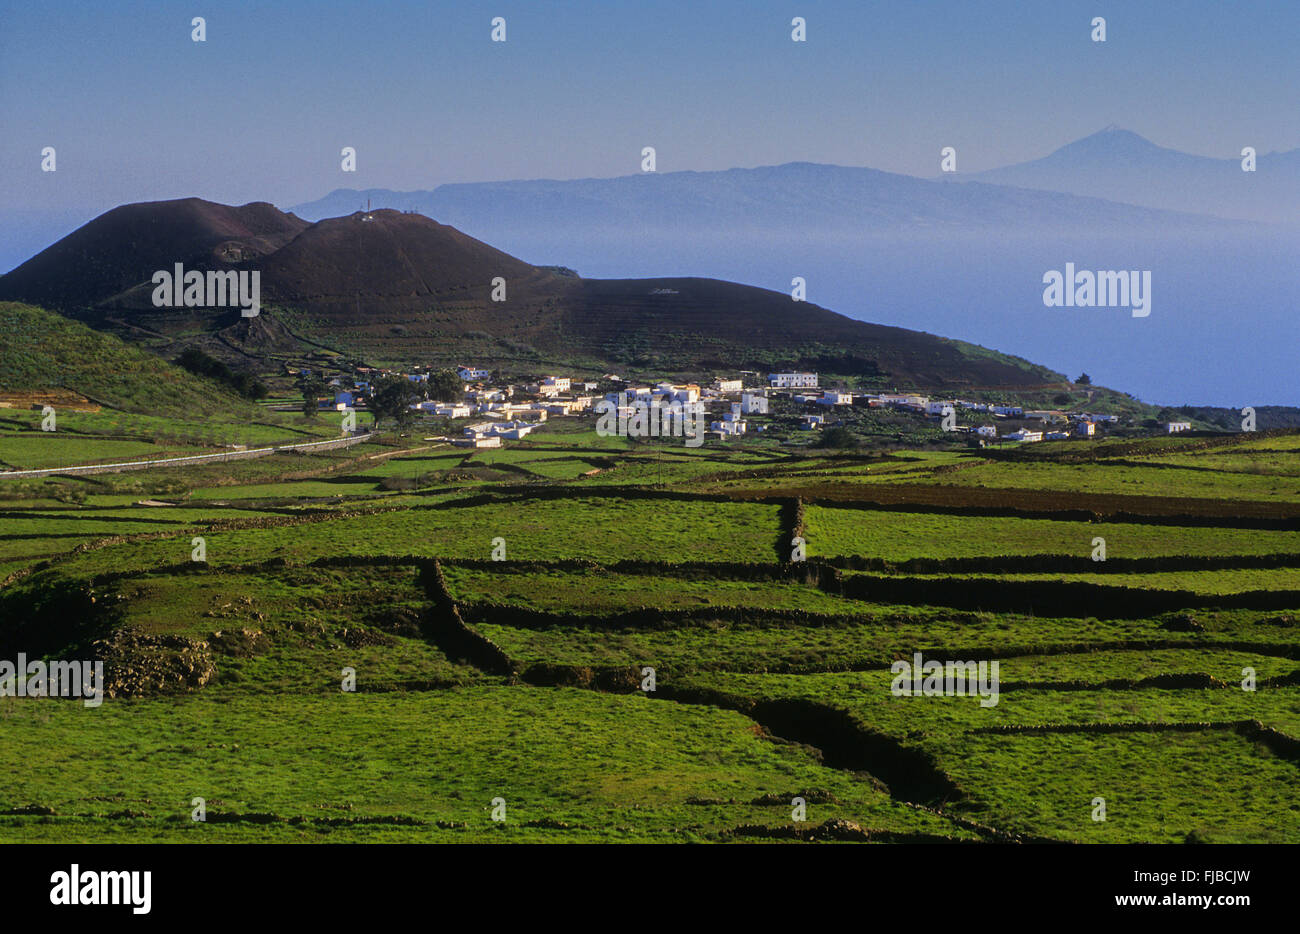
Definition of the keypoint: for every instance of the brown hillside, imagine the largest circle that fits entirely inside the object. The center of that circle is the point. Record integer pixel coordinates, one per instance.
(390, 257)
(127, 245)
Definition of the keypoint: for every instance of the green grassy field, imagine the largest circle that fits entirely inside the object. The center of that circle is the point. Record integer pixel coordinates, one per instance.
(1225, 476)
(571, 563)
(568, 763)
(898, 536)
(873, 641)
(1216, 786)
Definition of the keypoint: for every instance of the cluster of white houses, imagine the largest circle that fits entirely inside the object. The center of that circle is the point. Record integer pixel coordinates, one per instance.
(690, 400)
(1077, 425)
(512, 411)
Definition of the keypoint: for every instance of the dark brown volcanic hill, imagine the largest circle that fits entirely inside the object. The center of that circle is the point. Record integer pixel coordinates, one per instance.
(126, 245)
(728, 325)
(389, 256)
(402, 288)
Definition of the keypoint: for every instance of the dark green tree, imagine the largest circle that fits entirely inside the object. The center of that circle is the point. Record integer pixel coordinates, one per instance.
(445, 386)
(246, 384)
(838, 437)
(391, 400)
(312, 388)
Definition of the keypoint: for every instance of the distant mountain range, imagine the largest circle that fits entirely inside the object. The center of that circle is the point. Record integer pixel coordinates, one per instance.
(827, 199)
(401, 288)
(1100, 170)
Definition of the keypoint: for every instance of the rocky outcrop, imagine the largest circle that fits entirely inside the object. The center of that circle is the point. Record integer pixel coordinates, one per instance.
(139, 665)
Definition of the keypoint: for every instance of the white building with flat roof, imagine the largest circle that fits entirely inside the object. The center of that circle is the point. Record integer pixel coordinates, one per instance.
(689, 392)
(1024, 434)
(751, 404)
(792, 380)
(904, 399)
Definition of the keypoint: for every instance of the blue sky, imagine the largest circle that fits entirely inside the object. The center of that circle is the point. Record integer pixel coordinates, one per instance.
(260, 111)
(137, 111)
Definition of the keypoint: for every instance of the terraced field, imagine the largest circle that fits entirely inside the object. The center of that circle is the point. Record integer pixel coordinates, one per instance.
(615, 642)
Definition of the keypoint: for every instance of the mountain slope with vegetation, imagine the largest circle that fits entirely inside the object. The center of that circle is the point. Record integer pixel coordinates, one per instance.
(41, 351)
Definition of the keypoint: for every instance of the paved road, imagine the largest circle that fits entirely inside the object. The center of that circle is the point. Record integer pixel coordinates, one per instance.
(191, 459)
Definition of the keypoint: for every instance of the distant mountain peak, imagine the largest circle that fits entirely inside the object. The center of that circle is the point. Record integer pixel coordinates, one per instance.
(1113, 135)
(1110, 145)
(1119, 165)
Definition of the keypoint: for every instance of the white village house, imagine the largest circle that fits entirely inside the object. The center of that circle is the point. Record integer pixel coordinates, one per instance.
(792, 380)
(732, 423)
(751, 404)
